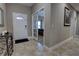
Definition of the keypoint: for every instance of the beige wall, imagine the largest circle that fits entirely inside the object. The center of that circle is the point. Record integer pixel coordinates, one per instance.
(55, 32)
(59, 32)
(10, 8)
(73, 23)
(2, 5)
(77, 28)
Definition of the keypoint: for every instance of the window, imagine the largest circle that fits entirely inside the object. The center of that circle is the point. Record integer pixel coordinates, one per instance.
(20, 18)
(39, 24)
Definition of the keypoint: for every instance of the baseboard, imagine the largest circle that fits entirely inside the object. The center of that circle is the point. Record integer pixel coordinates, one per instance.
(30, 38)
(76, 36)
(61, 43)
(45, 47)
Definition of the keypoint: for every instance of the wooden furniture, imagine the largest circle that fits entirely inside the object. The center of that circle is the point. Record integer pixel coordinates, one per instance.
(3, 46)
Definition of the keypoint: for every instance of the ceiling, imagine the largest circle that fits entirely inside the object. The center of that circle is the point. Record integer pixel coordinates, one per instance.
(27, 4)
(75, 5)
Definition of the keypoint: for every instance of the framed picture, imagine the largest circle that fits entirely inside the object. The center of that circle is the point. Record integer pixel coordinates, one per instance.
(1, 18)
(67, 16)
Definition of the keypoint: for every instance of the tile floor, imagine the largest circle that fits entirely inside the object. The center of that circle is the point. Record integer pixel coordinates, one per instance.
(32, 48)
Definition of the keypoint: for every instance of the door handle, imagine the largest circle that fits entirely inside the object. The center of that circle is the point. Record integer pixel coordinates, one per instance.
(25, 26)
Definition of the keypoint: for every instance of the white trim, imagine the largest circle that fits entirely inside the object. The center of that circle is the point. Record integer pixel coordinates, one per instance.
(44, 28)
(32, 25)
(45, 46)
(38, 10)
(61, 43)
(30, 38)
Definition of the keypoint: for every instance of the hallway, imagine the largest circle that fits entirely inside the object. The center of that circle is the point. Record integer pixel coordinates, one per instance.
(47, 23)
(32, 48)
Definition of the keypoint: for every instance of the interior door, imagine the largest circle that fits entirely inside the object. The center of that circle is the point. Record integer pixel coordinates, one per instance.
(19, 26)
(34, 26)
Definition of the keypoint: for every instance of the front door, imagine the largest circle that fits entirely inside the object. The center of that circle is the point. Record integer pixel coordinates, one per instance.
(19, 26)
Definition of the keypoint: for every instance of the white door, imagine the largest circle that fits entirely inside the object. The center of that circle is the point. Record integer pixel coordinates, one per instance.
(34, 26)
(19, 26)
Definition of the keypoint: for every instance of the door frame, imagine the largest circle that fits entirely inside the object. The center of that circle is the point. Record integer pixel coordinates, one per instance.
(13, 20)
(32, 28)
(43, 24)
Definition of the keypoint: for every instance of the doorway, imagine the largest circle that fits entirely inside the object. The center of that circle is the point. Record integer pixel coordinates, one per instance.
(38, 25)
(19, 26)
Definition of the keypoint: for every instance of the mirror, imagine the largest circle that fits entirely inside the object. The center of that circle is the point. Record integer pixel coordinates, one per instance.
(1, 18)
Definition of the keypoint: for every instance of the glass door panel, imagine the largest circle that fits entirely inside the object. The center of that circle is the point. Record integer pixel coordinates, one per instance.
(35, 31)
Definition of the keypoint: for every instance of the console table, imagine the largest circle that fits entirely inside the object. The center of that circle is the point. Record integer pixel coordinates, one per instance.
(6, 44)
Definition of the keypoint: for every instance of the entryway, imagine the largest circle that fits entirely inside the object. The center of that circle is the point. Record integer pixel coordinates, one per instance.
(19, 26)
